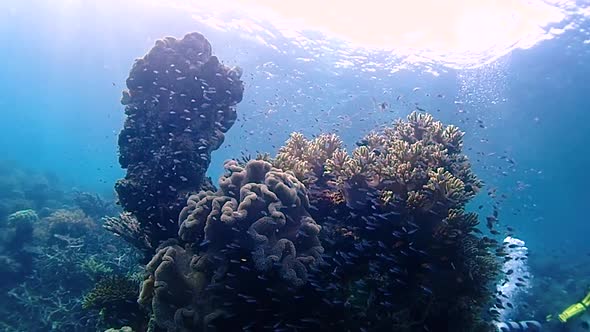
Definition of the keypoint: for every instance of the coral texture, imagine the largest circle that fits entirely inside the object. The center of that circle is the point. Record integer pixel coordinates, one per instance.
(394, 222)
(396, 251)
(261, 209)
(255, 227)
(179, 103)
(307, 158)
(68, 223)
(418, 161)
(110, 291)
(114, 296)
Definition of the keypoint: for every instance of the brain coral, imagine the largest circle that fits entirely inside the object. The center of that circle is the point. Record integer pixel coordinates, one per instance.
(179, 103)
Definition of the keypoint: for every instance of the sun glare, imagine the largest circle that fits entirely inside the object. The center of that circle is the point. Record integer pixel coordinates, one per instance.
(448, 26)
(456, 33)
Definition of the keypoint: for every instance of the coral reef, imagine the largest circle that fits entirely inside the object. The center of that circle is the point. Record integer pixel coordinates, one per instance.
(418, 161)
(23, 216)
(62, 224)
(95, 268)
(49, 263)
(314, 239)
(22, 189)
(179, 103)
(110, 290)
(93, 205)
(262, 210)
(16, 236)
(255, 226)
(115, 297)
(307, 158)
(375, 240)
(393, 220)
(128, 227)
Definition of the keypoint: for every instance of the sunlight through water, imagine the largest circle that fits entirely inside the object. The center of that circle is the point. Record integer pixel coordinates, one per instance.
(456, 33)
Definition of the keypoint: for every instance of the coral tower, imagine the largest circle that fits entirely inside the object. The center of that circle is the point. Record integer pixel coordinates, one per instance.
(179, 103)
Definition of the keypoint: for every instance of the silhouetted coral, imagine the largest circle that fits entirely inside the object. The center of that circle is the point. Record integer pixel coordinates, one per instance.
(16, 235)
(179, 103)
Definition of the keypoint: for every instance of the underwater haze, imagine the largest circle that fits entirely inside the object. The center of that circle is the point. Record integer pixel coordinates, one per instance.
(491, 99)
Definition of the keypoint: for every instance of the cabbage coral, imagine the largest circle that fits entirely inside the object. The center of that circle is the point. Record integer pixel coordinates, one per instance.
(255, 231)
(267, 209)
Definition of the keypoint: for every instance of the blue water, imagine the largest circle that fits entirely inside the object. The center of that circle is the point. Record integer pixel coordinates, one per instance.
(62, 73)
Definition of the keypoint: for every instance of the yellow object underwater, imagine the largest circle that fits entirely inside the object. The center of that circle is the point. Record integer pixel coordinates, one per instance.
(574, 309)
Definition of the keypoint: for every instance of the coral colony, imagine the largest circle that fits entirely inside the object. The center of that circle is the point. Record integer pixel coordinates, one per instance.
(314, 239)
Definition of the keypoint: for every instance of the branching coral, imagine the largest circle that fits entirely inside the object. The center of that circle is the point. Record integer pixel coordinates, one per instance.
(109, 290)
(94, 268)
(404, 221)
(114, 297)
(418, 160)
(179, 103)
(92, 204)
(128, 227)
(307, 158)
(458, 223)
